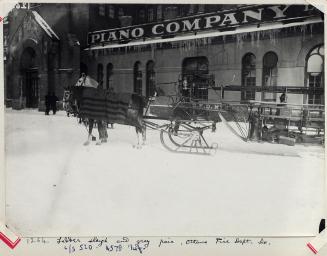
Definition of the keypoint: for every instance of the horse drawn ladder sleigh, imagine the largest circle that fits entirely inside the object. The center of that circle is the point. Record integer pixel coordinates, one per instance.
(183, 121)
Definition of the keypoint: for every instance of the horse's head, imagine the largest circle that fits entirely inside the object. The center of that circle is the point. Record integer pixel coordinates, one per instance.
(67, 95)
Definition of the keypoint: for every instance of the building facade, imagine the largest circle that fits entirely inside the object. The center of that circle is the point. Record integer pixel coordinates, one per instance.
(234, 52)
(42, 51)
(259, 64)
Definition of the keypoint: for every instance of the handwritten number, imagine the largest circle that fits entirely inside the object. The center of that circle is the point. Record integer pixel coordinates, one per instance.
(85, 247)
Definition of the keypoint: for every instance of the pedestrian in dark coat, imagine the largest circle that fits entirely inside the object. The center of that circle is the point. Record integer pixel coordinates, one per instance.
(47, 103)
(53, 102)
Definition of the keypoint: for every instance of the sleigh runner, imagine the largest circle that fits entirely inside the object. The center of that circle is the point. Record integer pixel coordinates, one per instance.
(188, 122)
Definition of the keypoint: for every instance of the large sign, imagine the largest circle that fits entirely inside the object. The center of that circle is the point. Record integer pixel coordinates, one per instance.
(220, 21)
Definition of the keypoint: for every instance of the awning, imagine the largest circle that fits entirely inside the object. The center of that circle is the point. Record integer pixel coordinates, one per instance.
(198, 35)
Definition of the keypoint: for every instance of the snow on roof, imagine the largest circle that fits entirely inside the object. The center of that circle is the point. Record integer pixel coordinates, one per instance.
(44, 25)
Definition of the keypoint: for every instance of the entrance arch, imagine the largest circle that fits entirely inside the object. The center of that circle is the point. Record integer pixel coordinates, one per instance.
(30, 77)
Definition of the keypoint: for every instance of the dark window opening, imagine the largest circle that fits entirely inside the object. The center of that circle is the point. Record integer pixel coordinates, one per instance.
(196, 73)
(110, 68)
(150, 79)
(269, 76)
(102, 10)
(100, 74)
(315, 74)
(137, 78)
(248, 77)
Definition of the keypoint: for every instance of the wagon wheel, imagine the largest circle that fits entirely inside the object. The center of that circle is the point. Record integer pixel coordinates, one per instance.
(188, 138)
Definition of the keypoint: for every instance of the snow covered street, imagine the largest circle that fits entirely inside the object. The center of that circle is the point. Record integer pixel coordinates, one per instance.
(57, 186)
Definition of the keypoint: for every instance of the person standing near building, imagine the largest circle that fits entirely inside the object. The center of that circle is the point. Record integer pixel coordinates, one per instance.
(53, 102)
(185, 89)
(283, 98)
(47, 103)
(283, 102)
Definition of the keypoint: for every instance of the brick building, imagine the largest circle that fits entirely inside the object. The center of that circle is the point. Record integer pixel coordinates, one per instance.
(255, 52)
(252, 52)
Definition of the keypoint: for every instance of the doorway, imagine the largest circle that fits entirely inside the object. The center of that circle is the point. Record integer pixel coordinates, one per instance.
(31, 88)
(30, 77)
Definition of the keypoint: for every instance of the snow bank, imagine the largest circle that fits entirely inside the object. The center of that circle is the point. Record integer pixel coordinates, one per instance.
(57, 186)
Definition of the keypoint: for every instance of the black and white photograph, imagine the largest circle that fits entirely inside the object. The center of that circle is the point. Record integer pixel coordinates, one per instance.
(172, 119)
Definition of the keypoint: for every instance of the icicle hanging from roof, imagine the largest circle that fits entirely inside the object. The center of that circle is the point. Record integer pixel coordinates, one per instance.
(239, 41)
(152, 50)
(303, 30)
(311, 29)
(210, 40)
(252, 35)
(257, 35)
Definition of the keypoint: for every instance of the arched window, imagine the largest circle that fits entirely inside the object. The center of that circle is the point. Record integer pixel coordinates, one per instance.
(150, 79)
(315, 75)
(196, 72)
(137, 78)
(110, 68)
(269, 75)
(100, 74)
(248, 77)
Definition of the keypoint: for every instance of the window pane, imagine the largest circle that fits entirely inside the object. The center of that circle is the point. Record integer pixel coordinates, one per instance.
(159, 12)
(248, 77)
(195, 74)
(269, 75)
(120, 12)
(111, 12)
(102, 10)
(150, 14)
(191, 9)
(109, 74)
(315, 64)
(137, 78)
(270, 60)
(321, 50)
(150, 79)
(100, 73)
